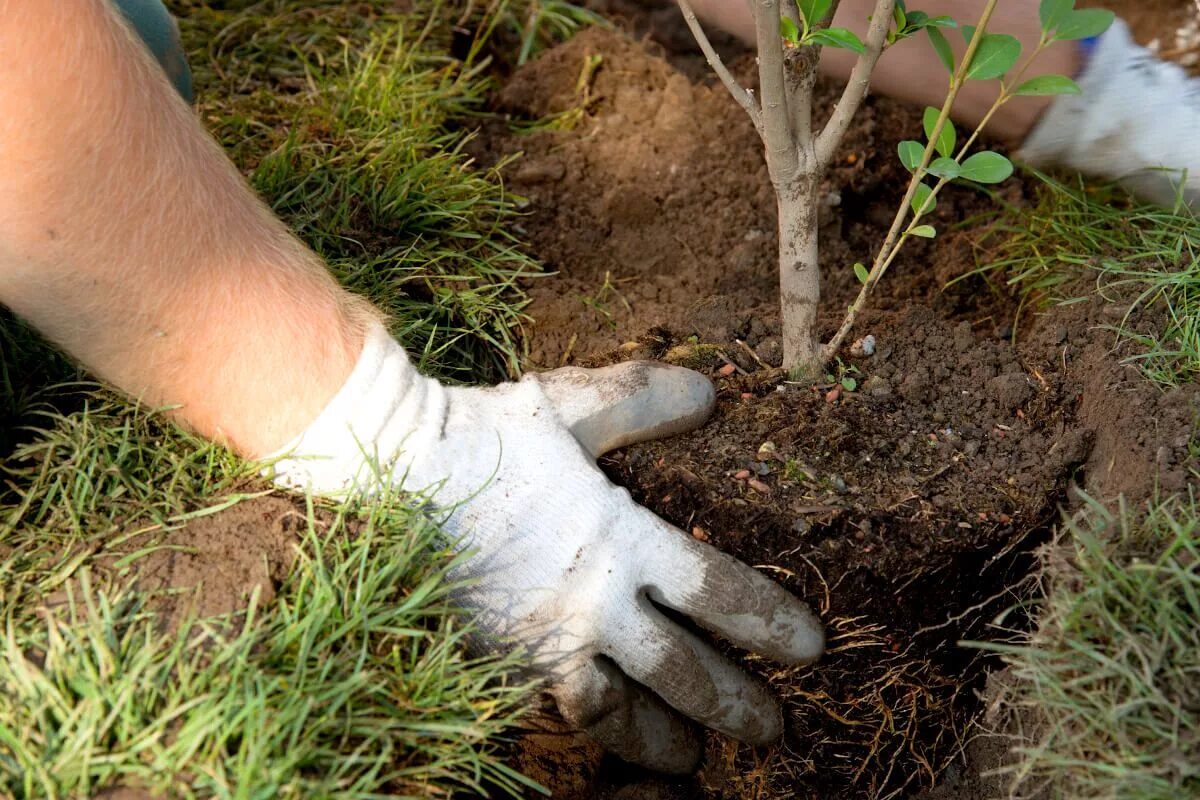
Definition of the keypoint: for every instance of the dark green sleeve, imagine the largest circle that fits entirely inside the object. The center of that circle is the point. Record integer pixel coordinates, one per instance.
(160, 32)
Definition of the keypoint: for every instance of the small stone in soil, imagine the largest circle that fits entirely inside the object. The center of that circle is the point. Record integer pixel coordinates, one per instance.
(758, 486)
(741, 474)
(863, 347)
(833, 394)
(766, 451)
(699, 534)
(726, 370)
(878, 387)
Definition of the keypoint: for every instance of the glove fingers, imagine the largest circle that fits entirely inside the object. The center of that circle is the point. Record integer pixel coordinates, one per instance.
(626, 719)
(692, 677)
(614, 406)
(727, 597)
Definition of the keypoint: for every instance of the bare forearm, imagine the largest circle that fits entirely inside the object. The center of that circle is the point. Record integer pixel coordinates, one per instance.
(128, 238)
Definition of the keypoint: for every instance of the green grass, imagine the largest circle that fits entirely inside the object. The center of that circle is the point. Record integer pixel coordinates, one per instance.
(537, 24)
(1143, 256)
(1108, 685)
(353, 682)
(345, 117)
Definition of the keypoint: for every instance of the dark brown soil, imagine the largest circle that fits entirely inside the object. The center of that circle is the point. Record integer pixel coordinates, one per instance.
(905, 511)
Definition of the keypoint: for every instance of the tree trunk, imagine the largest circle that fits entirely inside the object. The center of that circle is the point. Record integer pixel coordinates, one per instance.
(799, 277)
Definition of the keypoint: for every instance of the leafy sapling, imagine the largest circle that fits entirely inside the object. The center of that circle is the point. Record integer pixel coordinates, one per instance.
(790, 35)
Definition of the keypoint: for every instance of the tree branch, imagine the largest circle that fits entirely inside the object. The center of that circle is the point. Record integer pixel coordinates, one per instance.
(742, 95)
(856, 88)
(894, 238)
(782, 157)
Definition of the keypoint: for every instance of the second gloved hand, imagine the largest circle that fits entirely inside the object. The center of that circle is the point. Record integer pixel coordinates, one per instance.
(564, 562)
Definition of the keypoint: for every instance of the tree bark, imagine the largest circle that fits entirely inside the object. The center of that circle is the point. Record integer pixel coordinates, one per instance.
(799, 275)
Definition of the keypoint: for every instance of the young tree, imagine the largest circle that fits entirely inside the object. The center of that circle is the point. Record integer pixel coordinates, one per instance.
(790, 36)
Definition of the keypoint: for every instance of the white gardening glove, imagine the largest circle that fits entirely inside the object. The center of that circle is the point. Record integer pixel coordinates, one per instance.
(1137, 120)
(565, 563)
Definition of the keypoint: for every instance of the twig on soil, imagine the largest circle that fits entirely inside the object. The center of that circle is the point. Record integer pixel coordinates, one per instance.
(725, 358)
(566, 356)
(750, 352)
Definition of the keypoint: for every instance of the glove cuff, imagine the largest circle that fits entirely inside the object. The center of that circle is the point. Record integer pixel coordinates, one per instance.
(384, 416)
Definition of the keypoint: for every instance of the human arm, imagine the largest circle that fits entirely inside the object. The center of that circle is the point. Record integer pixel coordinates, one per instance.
(128, 238)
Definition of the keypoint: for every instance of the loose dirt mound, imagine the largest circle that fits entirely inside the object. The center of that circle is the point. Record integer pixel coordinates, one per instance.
(209, 566)
(906, 510)
(212, 565)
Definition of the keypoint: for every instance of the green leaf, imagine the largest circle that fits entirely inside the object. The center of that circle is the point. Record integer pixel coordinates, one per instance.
(1053, 12)
(1084, 23)
(996, 55)
(986, 167)
(910, 154)
(849, 384)
(843, 38)
(789, 30)
(968, 33)
(924, 231)
(900, 17)
(941, 21)
(947, 138)
(923, 194)
(941, 47)
(1044, 85)
(861, 273)
(814, 10)
(944, 168)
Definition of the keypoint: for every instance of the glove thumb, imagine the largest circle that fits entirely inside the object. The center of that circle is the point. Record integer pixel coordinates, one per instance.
(632, 402)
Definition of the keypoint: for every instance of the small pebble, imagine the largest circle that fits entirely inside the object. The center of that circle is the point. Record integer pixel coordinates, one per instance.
(747, 395)
(864, 346)
(741, 474)
(833, 394)
(758, 486)
(838, 483)
(800, 526)
(766, 451)
(726, 370)
(877, 387)
(699, 534)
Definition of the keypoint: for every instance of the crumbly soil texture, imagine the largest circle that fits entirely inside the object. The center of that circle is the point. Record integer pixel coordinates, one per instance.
(905, 511)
